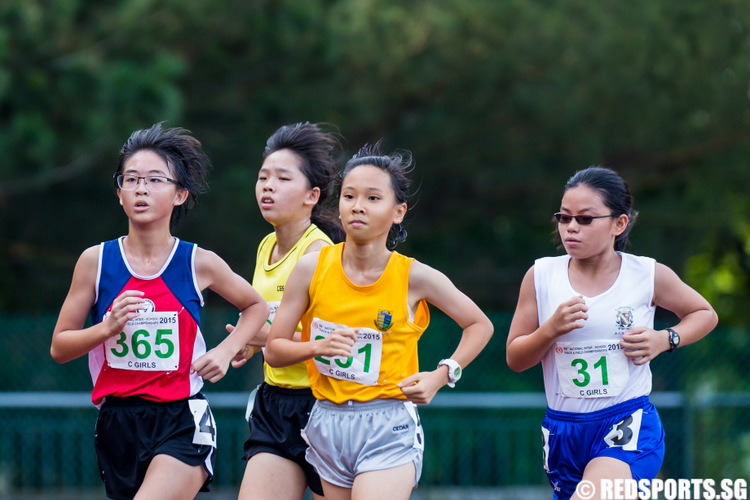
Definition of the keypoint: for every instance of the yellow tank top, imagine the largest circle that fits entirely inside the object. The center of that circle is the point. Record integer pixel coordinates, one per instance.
(269, 280)
(386, 349)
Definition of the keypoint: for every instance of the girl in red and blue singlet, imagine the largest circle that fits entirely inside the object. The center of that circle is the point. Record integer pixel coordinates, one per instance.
(155, 435)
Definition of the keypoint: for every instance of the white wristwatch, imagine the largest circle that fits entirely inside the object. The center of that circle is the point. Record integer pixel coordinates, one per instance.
(454, 371)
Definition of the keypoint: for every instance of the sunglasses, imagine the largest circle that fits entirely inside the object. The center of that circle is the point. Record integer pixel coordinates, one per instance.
(583, 220)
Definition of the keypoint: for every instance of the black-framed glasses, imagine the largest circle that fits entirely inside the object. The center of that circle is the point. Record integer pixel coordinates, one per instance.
(583, 220)
(128, 182)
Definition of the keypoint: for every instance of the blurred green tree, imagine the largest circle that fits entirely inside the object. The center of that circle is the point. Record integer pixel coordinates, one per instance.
(500, 102)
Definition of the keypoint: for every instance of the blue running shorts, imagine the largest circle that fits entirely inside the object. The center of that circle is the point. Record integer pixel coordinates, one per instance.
(630, 431)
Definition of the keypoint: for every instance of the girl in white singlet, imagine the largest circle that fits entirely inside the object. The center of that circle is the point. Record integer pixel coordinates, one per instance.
(588, 318)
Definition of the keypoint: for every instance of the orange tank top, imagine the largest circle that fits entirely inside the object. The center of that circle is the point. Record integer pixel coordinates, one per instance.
(386, 349)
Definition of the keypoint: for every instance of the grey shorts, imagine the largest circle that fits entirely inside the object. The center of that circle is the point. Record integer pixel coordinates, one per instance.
(355, 437)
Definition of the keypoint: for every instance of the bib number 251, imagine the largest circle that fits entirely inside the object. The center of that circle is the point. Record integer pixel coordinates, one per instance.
(362, 367)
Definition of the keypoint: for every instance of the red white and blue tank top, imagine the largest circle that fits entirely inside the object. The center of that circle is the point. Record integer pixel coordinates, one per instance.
(152, 357)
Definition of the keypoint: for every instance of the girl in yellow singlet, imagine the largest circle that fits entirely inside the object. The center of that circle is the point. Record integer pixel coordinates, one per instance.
(363, 307)
(294, 181)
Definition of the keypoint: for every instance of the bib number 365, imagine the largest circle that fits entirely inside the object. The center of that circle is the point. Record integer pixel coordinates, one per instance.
(150, 342)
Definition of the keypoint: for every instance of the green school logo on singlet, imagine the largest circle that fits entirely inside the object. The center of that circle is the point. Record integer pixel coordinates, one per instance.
(384, 320)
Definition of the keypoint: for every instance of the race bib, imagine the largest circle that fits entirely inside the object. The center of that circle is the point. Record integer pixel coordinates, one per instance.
(150, 342)
(273, 307)
(205, 425)
(624, 434)
(363, 367)
(591, 369)
(411, 409)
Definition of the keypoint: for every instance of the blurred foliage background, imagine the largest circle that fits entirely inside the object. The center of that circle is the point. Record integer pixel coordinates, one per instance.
(500, 102)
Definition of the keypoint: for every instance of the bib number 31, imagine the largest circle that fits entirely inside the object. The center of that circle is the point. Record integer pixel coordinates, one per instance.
(593, 369)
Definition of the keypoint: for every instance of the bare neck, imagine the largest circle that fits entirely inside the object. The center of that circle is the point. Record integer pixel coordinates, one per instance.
(364, 264)
(594, 275)
(148, 252)
(287, 236)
